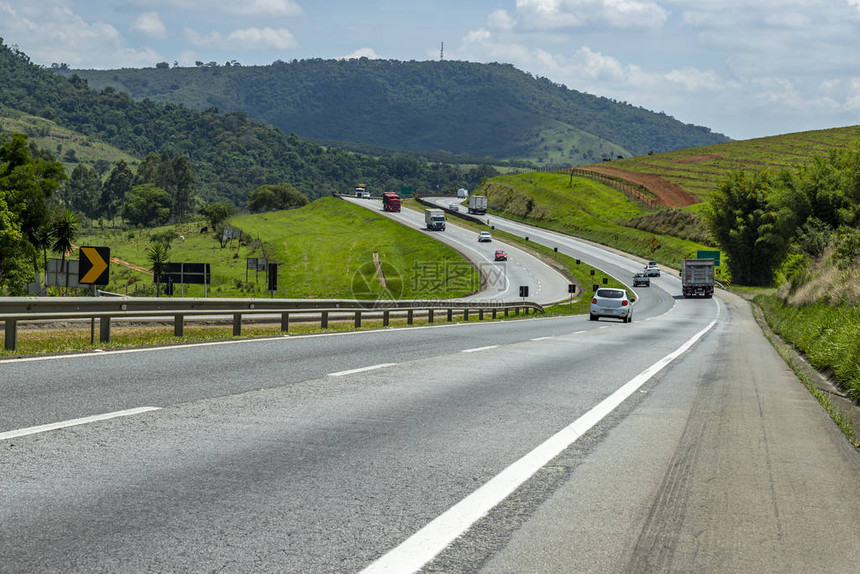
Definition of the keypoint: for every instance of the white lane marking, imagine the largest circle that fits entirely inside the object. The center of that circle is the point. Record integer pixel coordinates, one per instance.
(74, 422)
(284, 337)
(541, 338)
(420, 548)
(361, 369)
(477, 349)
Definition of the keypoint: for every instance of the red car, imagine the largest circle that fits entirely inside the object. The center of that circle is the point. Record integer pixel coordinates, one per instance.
(501, 255)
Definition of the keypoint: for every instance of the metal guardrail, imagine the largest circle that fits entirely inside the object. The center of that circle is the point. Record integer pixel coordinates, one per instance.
(15, 309)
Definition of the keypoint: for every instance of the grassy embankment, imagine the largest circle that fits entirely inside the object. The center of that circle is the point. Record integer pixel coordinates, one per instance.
(325, 250)
(583, 208)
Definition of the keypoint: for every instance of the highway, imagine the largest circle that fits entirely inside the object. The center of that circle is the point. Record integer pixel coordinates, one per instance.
(503, 279)
(679, 442)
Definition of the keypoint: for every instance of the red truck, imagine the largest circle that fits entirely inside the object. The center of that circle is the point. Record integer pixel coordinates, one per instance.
(390, 201)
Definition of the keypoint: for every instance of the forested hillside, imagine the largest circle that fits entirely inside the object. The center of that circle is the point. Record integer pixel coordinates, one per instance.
(230, 153)
(460, 107)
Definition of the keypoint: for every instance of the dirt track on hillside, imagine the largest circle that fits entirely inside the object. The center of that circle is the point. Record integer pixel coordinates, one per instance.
(667, 193)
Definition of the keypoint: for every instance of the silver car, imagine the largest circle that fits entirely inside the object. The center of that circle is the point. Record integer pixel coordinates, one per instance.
(611, 302)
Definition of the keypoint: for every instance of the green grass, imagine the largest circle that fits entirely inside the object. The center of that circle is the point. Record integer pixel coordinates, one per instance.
(828, 336)
(324, 250)
(582, 208)
(59, 140)
(700, 170)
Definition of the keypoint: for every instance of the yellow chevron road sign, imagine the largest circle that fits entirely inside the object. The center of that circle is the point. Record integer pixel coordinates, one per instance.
(94, 266)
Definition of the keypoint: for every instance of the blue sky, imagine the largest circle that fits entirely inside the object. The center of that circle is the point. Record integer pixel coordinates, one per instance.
(745, 69)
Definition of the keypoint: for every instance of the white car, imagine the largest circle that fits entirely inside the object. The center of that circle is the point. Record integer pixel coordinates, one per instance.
(454, 207)
(485, 236)
(611, 302)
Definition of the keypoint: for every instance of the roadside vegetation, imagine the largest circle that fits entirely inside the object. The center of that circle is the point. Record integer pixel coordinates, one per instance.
(324, 250)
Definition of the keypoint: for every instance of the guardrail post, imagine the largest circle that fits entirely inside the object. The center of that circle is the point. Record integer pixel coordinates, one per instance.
(324, 320)
(506, 311)
(410, 314)
(430, 316)
(179, 325)
(450, 315)
(104, 329)
(480, 314)
(465, 314)
(357, 319)
(285, 322)
(517, 311)
(494, 313)
(386, 318)
(237, 324)
(10, 336)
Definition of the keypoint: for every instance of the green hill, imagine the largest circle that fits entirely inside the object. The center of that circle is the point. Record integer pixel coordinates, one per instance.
(481, 110)
(699, 170)
(231, 154)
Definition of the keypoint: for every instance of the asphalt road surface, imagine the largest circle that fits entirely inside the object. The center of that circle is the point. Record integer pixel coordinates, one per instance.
(503, 278)
(679, 442)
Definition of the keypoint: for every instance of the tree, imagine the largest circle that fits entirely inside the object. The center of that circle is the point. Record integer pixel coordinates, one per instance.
(26, 185)
(158, 255)
(115, 189)
(63, 231)
(147, 171)
(102, 166)
(147, 205)
(750, 227)
(184, 182)
(216, 213)
(84, 190)
(269, 197)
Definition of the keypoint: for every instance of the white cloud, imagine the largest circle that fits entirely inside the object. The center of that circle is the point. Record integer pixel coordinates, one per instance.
(501, 20)
(245, 39)
(149, 24)
(52, 32)
(245, 8)
(195, 38)
(262, 39)
(619, 14)
(694, 80)
(362, 53)
(264, 8)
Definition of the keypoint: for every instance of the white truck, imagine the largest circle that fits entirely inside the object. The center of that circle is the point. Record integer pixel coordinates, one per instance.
(697, 278)
(434, 219)
(478, 204)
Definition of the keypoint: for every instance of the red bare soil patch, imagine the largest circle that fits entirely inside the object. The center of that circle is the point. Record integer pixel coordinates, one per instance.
(667, 193)
(119, 261)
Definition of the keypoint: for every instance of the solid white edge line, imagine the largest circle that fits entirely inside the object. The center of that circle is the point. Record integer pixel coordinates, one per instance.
(420, 548)
(75, 422)
(475, 350)
(361, 369)
(541, 338)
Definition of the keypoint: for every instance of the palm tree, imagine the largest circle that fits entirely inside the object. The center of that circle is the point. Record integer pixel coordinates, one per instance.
(63, 231)
(157, 253)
